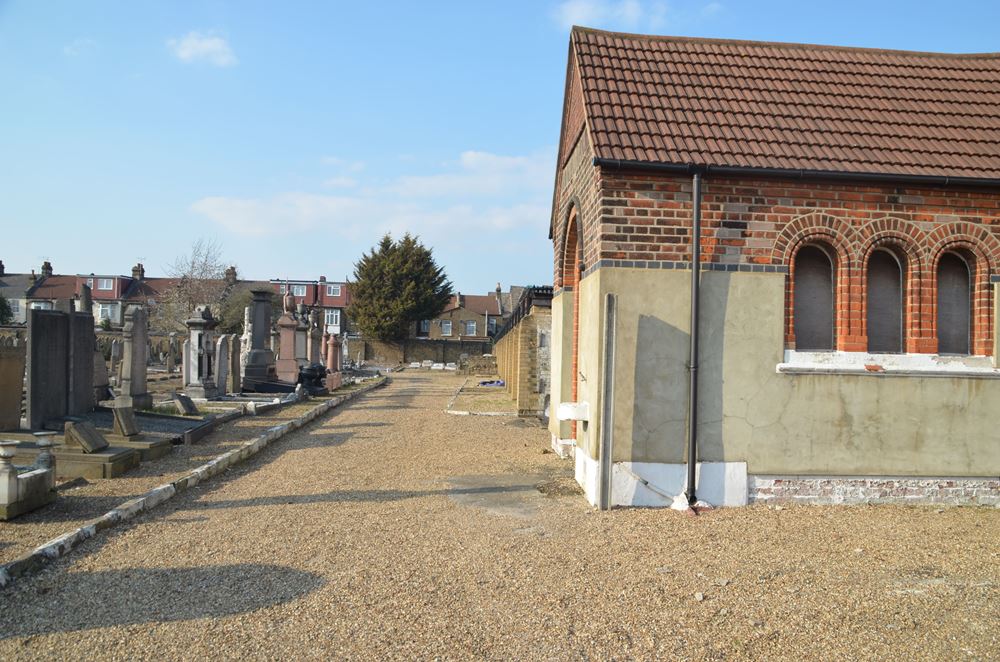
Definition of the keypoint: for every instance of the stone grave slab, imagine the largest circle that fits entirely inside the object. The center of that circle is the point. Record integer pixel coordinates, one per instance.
(125, 424)
(83, 435)
(185, 405)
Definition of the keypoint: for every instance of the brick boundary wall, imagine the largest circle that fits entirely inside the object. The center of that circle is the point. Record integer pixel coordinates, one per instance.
(830, 490)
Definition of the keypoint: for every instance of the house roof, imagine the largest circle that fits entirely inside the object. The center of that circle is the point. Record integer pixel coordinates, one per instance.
(54, 287)
(148, 288)
(14, 286)
(474, 303)
(791, 106)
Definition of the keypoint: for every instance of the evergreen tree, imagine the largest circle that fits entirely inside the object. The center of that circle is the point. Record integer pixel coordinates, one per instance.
(395, 284)
(6, 313)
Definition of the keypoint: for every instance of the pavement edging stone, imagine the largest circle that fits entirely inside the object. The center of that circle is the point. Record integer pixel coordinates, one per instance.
(60, 546)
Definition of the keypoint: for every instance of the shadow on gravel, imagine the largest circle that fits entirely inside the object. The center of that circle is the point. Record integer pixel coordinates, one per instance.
(144, 595)
(376, 496)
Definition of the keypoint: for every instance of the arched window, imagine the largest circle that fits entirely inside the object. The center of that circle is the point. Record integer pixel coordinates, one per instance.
(885, 302)
(954, 309)
(813, 295)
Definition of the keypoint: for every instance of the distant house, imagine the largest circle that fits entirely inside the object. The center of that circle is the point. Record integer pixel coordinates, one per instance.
(13, 288)
(466, 317)
(330, 297)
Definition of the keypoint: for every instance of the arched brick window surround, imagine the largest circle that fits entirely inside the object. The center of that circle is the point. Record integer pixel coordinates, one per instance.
(904, 240)
(835, 237)
(981, 265)
(572, 261)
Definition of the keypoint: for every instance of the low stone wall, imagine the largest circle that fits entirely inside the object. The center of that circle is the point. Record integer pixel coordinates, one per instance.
(825, 490)
(413, 349)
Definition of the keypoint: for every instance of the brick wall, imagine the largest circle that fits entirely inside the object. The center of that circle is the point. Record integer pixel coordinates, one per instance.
(524, 361)
(644, 221)
(843, 489)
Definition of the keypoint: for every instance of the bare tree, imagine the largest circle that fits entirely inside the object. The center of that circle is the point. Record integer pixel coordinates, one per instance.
(200, 276)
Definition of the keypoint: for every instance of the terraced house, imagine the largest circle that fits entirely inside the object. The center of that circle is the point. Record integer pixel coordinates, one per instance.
(848, 246)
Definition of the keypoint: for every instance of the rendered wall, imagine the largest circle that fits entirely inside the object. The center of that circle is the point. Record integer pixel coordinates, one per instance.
(561, 359)
(776, 423)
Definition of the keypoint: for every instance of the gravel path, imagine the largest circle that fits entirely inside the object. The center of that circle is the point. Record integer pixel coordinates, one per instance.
(391, 530)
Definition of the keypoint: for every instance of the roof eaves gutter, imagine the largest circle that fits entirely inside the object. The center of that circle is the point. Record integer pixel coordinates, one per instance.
(795, 173)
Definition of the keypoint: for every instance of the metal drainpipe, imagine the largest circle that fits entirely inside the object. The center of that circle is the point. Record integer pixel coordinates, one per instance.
(692, 455)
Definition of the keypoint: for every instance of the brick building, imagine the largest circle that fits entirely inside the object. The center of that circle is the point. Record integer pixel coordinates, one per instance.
(466, 317)
(332, 299)
(849, 250)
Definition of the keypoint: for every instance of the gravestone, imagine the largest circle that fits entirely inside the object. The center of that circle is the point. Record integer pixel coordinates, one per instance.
(288, 328)
(125, 424)
(302, 336)
(172, 353)
(116, 360)
(235, 357)
(314, 353)
(82, 346)
(83, 435)
(222, 364)
(185, 405)
(186, 361)
(246, 340)
(102, 385)
(85, 303)
(259, 366)
(11, 383)
(47, 366)
(135, 335)
(200, 371)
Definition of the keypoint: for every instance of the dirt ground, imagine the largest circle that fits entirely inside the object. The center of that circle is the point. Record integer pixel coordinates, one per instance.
(391, 530)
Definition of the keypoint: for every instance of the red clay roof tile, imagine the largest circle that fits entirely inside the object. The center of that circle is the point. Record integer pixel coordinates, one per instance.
(725, 103)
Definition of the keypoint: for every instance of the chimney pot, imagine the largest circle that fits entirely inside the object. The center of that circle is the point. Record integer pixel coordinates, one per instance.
(46, 268)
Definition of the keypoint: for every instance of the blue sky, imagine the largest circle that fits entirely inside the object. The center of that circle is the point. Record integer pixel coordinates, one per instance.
(296, 134)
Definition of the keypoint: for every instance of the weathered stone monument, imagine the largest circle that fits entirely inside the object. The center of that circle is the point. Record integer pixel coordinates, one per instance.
(172, 353)
(199, 369)
(102, 384)
(246, 340)
(259, 368)
(116, 361)
(85, 452)
(11, 383)
(333, 361)
(135, 336)
(289, 342)
(235, 357)
(222, 364)
(60, 365)
(302, 335)
(184, 404)
(127, 434)
(314, 353)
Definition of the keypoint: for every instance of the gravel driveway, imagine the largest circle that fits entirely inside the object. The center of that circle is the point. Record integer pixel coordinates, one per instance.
(389, 529)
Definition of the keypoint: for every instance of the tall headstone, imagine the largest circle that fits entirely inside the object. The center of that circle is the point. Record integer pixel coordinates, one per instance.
(186, 361)
(134, 347)
(102, 384)
(82, 345)
(302, 335)
(200, 361)
(116, 360)
(172, 353)
(11, 383)
(85, 303)
(222, 364)
(260, 365)
(246, 340)
(314, 353)
(288, 329)
(47, 366)
(235, 358)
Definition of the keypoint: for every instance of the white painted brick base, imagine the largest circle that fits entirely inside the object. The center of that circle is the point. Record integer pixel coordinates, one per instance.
(983, 491)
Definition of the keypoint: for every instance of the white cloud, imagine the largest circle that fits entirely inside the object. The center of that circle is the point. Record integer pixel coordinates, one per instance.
(79, 47)
(483, 193)
(626, 14)
(345, 165)
(208, 47)
(340, 182)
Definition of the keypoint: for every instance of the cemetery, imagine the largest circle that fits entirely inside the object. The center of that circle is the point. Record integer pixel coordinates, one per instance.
(67, 412)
